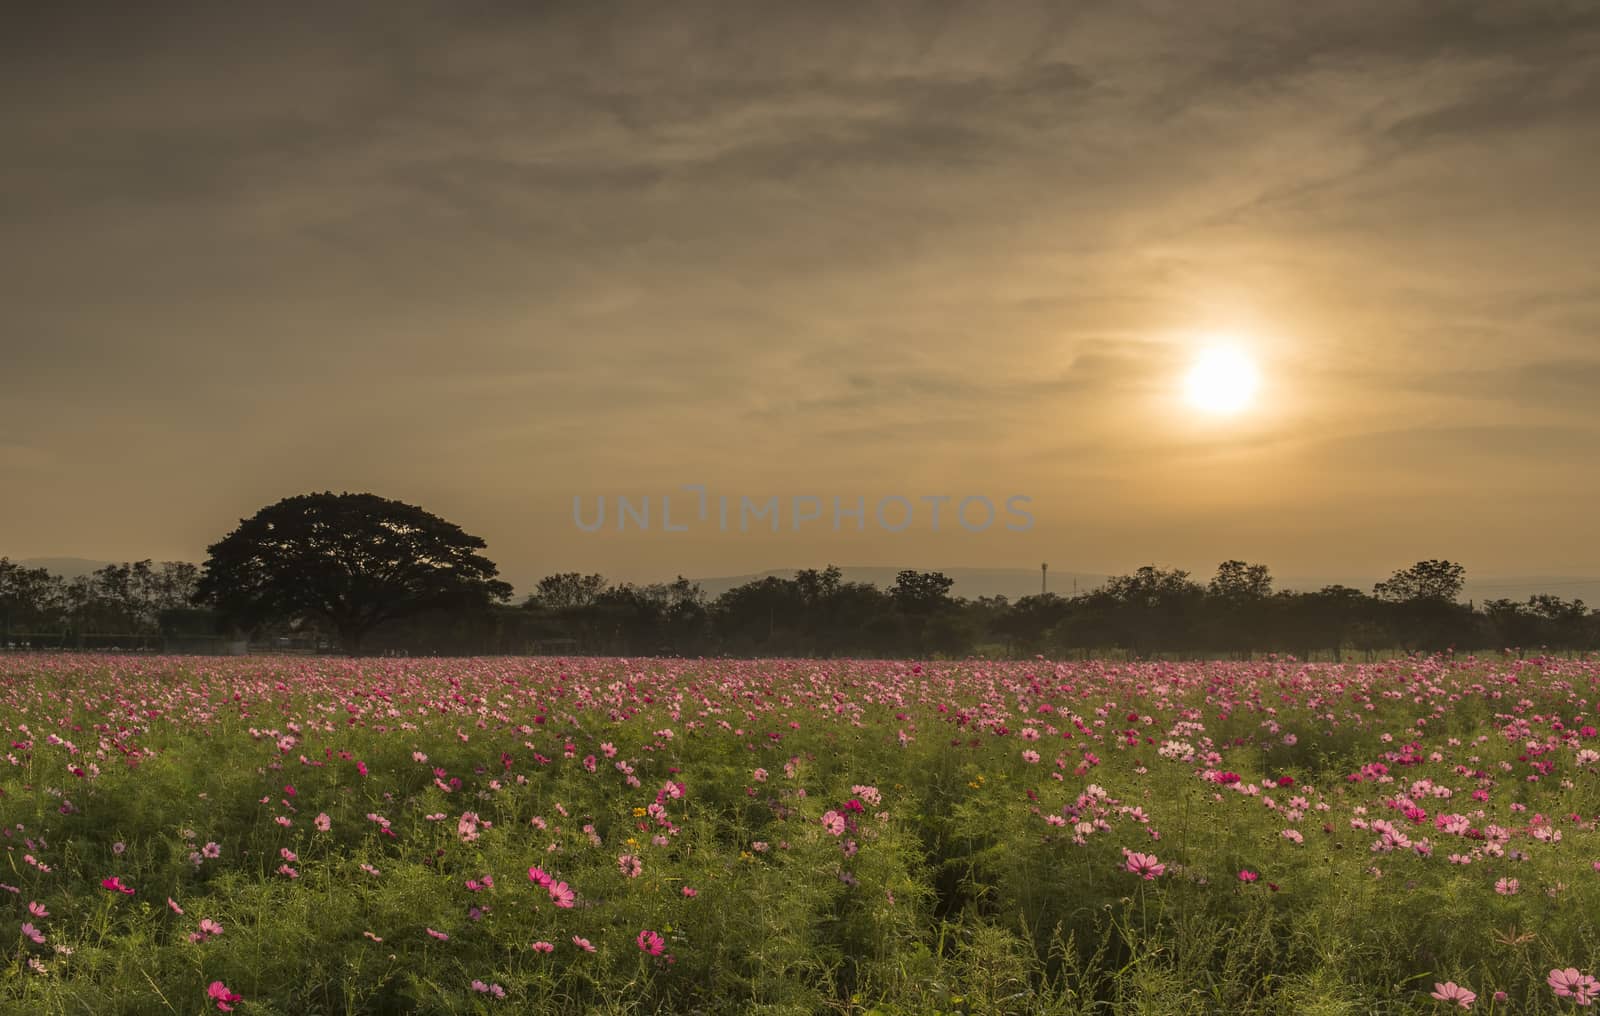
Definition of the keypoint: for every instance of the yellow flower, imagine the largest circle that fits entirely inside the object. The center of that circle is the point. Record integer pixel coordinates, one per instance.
(638, 813)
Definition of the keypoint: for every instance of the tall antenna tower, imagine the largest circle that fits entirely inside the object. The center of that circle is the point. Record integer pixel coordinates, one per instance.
(1043, 568)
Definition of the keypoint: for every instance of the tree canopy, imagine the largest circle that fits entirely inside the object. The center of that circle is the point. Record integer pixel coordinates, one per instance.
(353, 561)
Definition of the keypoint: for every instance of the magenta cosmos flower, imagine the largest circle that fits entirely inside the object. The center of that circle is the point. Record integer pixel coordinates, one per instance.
(1450, 991)
(650, 943)
(219, 993)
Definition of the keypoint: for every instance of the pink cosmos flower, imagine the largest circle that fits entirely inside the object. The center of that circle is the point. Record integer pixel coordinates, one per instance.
(114, 883)
(833, 822)
(1246, 875)
(582, 943)
(650, 943)
(37, 909)
(539, 876)
(30, 931)
(561, 895)
(323, 822)
(174, 905)
(690, 893)
(1144, 865)
(209, 927)
(544, 947)
(1450, 991)
(1569, 983)
(441, 936)
(630, 866)
(867, 793)
(1507, 886)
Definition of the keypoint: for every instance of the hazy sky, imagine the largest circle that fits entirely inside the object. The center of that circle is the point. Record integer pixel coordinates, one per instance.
(484, 257)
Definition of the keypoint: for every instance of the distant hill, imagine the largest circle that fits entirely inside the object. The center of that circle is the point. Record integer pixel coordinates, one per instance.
(1567, 587)
(66, 567)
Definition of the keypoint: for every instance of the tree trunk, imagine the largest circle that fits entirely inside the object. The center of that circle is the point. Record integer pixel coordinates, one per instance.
(350, 640)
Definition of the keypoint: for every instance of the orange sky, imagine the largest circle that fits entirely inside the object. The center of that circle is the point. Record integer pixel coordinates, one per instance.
(486, 262)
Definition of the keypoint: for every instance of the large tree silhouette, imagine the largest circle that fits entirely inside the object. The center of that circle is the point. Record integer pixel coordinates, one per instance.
(353, 561)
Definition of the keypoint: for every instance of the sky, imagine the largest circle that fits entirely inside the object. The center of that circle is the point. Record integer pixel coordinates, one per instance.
(490, 257)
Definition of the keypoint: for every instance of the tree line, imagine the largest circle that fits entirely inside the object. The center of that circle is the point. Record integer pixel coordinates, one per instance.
(139, 597)
(364, 574)
(1153, 611)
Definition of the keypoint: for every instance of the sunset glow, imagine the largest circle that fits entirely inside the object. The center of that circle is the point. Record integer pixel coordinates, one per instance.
(1222, 380)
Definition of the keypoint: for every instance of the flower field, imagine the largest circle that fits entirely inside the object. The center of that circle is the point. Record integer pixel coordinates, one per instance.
(296, 836)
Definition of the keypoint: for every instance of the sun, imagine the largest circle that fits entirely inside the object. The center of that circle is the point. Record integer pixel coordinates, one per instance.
(1223, 381)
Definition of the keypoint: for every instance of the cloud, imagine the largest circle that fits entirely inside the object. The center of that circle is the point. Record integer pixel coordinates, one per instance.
(1561, 385)
(503, 247)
